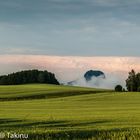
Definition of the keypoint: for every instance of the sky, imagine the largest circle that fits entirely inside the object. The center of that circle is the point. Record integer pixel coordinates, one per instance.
(69, 37)
(70, 27)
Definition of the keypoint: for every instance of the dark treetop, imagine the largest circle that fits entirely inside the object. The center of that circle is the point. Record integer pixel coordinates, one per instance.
(28, 76)
(89, 74)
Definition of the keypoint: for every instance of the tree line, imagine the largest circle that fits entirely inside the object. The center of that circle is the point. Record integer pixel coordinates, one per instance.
(28, 76)
(132, 82)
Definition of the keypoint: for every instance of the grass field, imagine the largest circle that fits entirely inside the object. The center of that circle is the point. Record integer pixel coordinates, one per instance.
(62, 112)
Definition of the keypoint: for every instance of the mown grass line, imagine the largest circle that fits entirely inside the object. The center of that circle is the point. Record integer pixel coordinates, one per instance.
(50, 95)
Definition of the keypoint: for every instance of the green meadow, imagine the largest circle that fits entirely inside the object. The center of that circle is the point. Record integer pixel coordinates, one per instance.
(49, 112)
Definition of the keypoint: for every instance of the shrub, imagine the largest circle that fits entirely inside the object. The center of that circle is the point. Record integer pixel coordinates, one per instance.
(118, 88)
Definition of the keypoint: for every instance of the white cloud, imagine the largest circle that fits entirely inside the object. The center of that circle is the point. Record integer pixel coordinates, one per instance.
(71, 68)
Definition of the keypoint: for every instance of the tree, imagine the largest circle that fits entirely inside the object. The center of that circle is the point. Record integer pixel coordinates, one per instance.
(131, 82)
(118, 88)
(139, 89)
(41, 77)
(138, 81)
(28, 76)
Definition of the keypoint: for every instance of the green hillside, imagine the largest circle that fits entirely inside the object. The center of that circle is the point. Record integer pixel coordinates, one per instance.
(62, 112)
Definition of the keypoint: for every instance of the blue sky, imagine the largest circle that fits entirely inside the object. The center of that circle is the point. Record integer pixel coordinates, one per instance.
(70, 27)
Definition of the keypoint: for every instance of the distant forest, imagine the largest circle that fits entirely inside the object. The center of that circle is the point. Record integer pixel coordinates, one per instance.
(28, 76)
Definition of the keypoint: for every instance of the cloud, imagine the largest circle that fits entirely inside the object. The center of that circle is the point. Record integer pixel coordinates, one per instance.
(72, 27)
(70, 68)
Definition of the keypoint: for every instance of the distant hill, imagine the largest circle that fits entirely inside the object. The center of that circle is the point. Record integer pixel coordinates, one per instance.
(28, 76)
(93, 73)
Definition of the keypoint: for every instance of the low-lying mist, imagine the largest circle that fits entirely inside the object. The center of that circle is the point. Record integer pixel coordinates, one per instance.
(99, 82)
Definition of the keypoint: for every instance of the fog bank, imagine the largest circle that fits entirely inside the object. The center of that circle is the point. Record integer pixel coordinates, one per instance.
(69, 68)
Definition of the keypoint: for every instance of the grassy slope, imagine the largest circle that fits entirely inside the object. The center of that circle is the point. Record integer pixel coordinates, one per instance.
(85, 113)
(35, 91)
